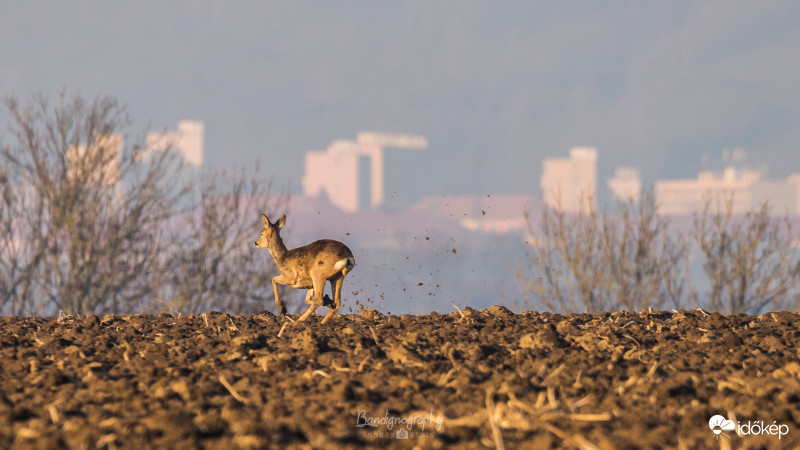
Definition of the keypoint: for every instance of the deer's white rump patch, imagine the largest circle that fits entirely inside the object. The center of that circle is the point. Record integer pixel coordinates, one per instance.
(348, 263)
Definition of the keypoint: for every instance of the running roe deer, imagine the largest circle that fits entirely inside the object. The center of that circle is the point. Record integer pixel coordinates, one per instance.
(307, 267)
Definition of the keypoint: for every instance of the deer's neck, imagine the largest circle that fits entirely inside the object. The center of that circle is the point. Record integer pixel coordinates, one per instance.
(278, 250)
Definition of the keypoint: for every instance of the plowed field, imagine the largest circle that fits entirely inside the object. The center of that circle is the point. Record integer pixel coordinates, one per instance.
(470, 378)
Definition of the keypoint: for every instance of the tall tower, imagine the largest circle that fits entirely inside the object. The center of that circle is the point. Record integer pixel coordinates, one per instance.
(96, 164)
(571, 184)
(187, 140)
(336, 171)
(190, 141)
(373, 145)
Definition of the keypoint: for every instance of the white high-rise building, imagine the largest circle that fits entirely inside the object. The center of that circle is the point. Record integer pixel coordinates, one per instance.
(794, 180)
(744, 188)
(83, 161)
(626, 185)
(335, 173)
(570, 184)
(187, 140)
(338, 171)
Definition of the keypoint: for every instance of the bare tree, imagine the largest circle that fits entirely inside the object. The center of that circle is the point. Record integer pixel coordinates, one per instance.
(749, 259)
(566, 261)
(91, 225)
(212, 264)
(8, 245)
(645, 262)
(86, 207)
(598, 262)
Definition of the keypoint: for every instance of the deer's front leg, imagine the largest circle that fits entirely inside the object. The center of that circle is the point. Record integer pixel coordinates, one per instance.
(278, 302)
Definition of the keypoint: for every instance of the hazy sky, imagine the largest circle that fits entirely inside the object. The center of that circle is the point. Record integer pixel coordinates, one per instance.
(496, 86)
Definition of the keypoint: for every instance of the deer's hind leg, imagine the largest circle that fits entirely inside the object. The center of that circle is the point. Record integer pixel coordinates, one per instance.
(326, 301)
(336, 287)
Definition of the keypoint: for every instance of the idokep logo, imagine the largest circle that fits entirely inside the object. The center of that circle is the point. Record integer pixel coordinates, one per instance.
(719, 425)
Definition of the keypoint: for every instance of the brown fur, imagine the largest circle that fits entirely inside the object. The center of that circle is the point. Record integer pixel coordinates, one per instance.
(307, 267)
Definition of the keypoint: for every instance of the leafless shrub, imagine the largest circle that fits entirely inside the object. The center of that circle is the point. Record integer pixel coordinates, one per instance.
(566, 261)
(91, 225)
(589, 261)
(8, 245)
(632, 260)
(645, 263)
(749, 259)
(82, 209)
(213, 264)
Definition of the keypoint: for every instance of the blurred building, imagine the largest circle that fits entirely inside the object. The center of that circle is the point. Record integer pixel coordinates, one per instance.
(187, 140)
(351, 173)
(334, 173)
(744, 188)
(626, 185)
(795, 181)
(570, 184)
(495, 214)
(96, 164)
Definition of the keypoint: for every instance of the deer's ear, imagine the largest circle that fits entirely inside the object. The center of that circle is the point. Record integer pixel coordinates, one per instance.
(281, 222)
(265, 220)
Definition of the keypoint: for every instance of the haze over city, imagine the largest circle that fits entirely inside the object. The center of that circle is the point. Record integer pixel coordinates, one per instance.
(496, 88)
(397, 224)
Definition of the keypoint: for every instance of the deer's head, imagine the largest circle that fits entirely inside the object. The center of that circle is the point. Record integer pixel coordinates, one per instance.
(271, 231)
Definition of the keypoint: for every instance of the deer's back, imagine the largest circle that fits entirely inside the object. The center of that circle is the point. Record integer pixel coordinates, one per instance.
(323, 253)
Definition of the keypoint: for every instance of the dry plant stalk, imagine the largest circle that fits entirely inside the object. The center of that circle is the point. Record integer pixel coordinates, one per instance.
(374, 336)
(519, 415)
(490, 409)
(231, 389)
(362, 364)
(283, 327)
